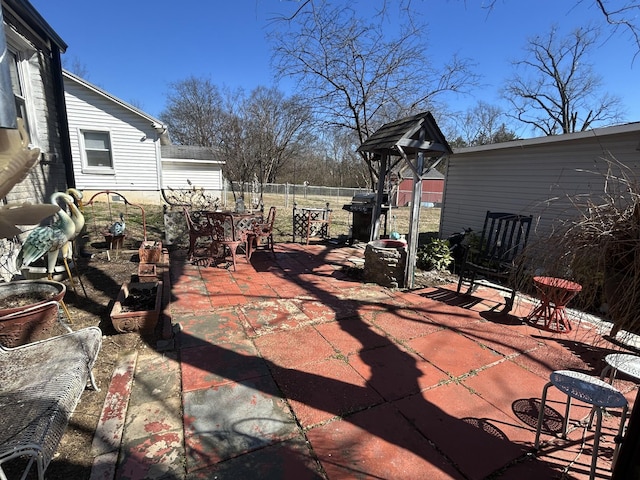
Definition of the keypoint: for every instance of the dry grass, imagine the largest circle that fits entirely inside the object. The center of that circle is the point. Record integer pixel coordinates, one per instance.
(100, 215)
(398, 218)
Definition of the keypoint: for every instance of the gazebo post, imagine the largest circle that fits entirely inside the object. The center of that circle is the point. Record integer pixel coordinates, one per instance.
(414, 218)
(377, 211)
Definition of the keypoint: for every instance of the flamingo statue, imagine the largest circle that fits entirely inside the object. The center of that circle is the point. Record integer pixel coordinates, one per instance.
(76, 215)
(78, 221)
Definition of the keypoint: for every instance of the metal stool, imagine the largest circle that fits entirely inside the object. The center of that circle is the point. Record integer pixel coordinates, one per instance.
(588, 389)
(621, 362)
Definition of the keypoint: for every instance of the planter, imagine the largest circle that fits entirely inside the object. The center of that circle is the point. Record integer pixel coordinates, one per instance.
(150, 252)
(147, 272)
(137, 307)
(385, 262)
(27, 313)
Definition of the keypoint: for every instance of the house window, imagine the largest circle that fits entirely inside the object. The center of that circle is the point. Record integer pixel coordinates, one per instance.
(17, 84)
(97, 151)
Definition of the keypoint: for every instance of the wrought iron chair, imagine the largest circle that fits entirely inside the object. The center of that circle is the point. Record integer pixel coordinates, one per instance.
(504, 236)
(198, 227)
(262, 231)
(223, 235)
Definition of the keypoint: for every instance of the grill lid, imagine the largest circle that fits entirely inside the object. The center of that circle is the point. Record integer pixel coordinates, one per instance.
(363, 198)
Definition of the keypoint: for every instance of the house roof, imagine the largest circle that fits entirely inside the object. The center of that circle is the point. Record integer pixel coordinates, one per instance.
(404, 134)
(566, 137)
(189, 152)
(31, 17)
(157, 124)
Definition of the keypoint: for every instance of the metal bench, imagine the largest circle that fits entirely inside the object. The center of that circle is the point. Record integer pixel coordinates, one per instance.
(504, 236)
(41, 385)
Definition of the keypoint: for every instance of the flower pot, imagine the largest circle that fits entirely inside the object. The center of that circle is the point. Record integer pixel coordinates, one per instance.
(149, 252)
(28, 310)
(147, 272)
(141, 317)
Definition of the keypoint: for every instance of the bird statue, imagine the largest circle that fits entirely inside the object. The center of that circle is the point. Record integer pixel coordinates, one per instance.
(78, 221)
(76, 214)
(49, 240)
(117, 232)
(117, 229)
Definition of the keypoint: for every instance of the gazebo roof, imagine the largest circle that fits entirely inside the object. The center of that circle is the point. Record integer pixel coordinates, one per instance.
(405, 133)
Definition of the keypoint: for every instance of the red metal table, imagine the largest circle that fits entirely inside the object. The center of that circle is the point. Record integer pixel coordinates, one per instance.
(555, 294)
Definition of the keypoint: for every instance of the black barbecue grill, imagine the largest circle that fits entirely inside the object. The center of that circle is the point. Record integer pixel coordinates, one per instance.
(361, 208)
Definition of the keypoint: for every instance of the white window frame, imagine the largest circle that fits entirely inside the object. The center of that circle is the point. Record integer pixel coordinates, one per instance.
(23, 51)
(86, 168)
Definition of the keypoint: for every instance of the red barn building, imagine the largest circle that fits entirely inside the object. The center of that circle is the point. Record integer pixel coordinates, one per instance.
(432, 188)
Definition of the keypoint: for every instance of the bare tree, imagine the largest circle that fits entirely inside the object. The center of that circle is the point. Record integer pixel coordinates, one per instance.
(254, 135)
(277, 127)
(357, 74)
(193, 113)
(481, 124)
(619, 15)
(76, 66)
(555, 89)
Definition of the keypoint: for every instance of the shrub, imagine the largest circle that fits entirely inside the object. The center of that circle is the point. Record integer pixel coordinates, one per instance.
(434, 255)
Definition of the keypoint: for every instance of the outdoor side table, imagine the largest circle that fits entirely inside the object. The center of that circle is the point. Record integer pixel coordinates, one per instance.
(621, 362)
(591, 390)
(555, 294)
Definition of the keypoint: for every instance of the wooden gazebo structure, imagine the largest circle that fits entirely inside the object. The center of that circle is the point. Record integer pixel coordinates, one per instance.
(418, 141)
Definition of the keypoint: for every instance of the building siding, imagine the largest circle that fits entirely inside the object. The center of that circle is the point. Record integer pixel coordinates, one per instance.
(133, 140)
(537, 178)
(177, 174)
(48, 175)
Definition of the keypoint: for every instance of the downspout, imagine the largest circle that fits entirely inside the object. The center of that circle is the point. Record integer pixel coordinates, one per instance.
(162, 138)
(61, 112)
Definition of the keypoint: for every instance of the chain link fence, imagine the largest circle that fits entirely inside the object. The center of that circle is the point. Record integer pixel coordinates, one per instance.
(294, 192)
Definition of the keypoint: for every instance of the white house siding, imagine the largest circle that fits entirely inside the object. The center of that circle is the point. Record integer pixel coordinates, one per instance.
(49, 175)
(178, 173)
(535, 176)
(133, 140)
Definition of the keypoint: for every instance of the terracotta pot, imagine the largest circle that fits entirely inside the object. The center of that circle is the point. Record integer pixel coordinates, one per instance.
(142, 321)
(25, 323)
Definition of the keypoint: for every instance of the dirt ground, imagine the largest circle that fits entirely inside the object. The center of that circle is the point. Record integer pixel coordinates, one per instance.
(98, 282)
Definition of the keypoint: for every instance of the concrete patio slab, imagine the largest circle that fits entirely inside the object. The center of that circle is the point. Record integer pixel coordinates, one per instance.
(289, 368)
(233, 419)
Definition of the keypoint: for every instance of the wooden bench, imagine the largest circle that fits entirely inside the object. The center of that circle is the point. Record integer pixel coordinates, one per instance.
(41, 385)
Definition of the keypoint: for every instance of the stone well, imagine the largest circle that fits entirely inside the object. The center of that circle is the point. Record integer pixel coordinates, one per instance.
(385, 262)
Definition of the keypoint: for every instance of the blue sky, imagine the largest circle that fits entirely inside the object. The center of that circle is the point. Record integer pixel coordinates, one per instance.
(134, 49)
